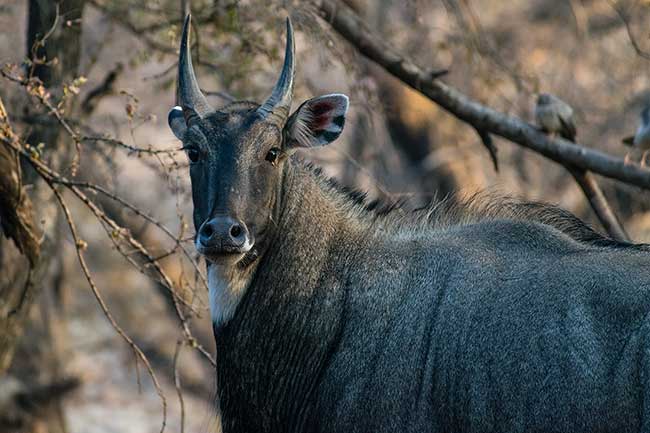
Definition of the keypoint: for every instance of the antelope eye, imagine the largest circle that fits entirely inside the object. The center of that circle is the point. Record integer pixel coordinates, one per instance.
(192, 153)
(272, 155)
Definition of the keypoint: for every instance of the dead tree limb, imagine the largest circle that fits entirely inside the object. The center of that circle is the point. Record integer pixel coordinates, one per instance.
(15, 207)
(16, 223)
(479, 116)
(599, 204)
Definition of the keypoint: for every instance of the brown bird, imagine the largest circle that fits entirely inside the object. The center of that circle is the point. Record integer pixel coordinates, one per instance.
(554, 116)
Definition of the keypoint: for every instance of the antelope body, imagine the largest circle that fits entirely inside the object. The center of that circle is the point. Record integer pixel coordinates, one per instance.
(331, 316)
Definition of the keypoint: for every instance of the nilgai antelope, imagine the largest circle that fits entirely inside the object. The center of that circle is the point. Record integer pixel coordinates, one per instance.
(332, 316)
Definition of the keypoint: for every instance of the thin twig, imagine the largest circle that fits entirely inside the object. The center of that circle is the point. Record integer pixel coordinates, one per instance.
(626, 21)
(35, 88)
(48, 174)
(178, 241)
(479, 116)
(599, 204)
(177, 382)
(79, 245)
(489, 121)
(44, 99)
(116, 229)
(129, 147)
(143, 33)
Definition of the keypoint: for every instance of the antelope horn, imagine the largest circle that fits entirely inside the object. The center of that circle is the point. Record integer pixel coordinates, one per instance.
(279, 103)
(188, 93)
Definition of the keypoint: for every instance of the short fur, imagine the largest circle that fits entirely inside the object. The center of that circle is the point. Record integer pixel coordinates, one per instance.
(493, 316)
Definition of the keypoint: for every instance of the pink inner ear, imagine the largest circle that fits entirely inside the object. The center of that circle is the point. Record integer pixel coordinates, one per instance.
(320, 115)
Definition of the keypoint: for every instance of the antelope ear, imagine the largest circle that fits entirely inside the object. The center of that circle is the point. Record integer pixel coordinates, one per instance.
(317, 122)
(177, 122)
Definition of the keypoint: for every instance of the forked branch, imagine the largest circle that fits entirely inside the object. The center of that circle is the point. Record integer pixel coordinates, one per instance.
(482, 118)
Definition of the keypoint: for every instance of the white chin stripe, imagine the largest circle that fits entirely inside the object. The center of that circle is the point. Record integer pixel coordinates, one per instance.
(226, 290)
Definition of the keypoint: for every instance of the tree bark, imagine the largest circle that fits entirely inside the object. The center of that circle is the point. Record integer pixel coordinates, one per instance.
(20, 262)
(29, 267)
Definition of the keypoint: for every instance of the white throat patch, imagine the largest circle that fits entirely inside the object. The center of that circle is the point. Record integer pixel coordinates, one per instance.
(226, 289)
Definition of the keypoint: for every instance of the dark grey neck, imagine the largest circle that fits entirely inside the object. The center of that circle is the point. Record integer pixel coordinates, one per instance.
(271, 355)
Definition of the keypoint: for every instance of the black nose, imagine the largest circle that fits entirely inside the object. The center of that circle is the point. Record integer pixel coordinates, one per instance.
(223, 233)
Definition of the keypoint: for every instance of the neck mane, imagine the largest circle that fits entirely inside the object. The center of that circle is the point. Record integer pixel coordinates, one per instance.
(453, 211)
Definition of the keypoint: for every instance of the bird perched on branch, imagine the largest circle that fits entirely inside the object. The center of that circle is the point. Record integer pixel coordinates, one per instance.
(554, 116)
(641, 140)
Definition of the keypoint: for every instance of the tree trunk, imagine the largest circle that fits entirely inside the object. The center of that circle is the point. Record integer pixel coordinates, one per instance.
(20, 258)
(31, 380)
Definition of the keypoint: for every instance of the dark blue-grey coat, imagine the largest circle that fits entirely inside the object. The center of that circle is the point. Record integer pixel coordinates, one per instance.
(479, 318)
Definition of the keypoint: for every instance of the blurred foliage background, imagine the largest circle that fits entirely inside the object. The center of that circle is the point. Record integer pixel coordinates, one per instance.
(109, 68)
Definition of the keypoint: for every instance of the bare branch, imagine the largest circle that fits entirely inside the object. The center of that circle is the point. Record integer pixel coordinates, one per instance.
(143, 33)
(599, 204)
(51, 177)
(626, 21)
(479, 116)
(487, 141)
(177, 383)
(178, 241)
(79, 246)
(15, 207)
(579, 160)
(128, 147)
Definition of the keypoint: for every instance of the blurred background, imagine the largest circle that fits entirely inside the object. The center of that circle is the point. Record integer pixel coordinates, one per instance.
(109, 68)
